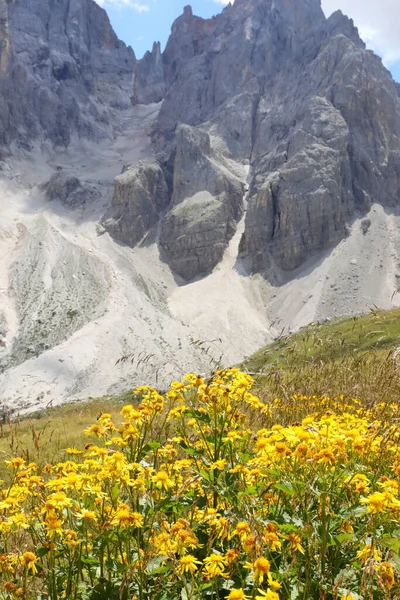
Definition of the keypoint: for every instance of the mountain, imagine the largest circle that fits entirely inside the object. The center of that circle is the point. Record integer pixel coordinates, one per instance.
(63, 71)
(177, 212)
(295, 95)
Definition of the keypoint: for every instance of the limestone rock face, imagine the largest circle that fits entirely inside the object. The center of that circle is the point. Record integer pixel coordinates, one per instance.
(140, 194)
(69, 190)
(62, 71)
(206, 205)
(275, 83)
(149, 85)
(271, 84)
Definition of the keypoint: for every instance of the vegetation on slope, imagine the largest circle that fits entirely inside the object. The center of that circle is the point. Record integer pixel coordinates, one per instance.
(217, 489)
(356, 357)
(184, 500)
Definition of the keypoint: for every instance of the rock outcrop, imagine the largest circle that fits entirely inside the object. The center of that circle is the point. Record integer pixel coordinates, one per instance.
(63, 71)
(69, 190)
(140, 195)
(317, 115)
(270, 83)
(206, 205)
(149, 84)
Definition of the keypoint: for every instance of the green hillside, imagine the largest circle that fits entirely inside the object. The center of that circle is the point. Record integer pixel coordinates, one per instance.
(351, 356)
(354, 357)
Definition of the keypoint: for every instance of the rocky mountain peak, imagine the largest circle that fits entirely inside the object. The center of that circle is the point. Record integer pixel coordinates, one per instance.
(276, 84)
(62, 71)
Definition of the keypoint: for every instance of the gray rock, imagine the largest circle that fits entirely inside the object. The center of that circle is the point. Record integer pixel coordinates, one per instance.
(149, 85)
(140, 195)
(297, 94)
(69, 190)
(62, 71)
(195, 234)
(207, 203)
(365, 225)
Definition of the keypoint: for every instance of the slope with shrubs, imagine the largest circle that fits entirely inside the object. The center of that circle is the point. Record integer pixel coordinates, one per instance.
(220, 488)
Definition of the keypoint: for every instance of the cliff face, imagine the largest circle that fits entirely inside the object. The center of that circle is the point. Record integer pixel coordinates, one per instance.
(276, 84)
(62, 71)
(271, 84)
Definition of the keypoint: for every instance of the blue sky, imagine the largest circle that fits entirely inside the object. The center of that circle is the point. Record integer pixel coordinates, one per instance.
(141, 22)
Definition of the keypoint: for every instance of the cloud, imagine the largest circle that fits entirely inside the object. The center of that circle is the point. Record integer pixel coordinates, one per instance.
(377, 21)
(136, 6)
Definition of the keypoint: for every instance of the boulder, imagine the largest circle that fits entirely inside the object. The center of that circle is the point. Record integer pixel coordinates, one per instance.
(140, 195)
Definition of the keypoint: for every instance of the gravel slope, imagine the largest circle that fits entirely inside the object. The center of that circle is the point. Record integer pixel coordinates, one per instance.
(73, 302)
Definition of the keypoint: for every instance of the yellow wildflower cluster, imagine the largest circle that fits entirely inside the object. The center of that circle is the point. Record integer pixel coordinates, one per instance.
(184, 499)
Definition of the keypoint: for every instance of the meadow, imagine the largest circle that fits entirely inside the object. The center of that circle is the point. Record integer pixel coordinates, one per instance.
(279, 485)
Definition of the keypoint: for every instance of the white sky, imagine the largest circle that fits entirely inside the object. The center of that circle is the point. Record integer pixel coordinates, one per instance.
(378, 22)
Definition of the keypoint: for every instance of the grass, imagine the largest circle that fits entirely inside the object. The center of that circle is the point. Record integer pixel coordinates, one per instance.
(355, 357)
(44, 435)
(351, 356)
(209, 492)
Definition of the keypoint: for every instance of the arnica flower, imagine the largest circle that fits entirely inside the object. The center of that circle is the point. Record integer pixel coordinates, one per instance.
(237, 595)
(188, 564)
(385, 575)
(29, 559)
(242, 530)
(162, 481)
(380, 502)
(368, 551)
(231, 555)
(347, 597)
(15, 463)
(261, 568)
(268, 595)
(214, 566)
(90, 515)
(125, 518)
(294, 543)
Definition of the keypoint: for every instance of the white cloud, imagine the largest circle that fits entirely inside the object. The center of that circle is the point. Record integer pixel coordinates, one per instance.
(136, 6)
(378, 22)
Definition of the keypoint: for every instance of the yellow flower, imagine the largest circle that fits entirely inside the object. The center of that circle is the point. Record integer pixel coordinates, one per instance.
(359, 482)
(162, 481)
(368, 551)
(261, 568)
(294, 543)
(380, 502)
(385, 575)
(90, 515)
(125, 518)
(15, 463)
(188, 564)
(218, 465)
(242, 530)
(237, 595)
(214, 566)
(347, 597)
(53, 524)
(73, 451)
(268, 595)
(29, 559)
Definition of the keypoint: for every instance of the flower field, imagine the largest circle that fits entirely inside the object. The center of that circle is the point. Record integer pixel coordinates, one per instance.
(208, 492)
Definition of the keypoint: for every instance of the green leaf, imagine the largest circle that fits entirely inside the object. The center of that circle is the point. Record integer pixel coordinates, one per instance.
(392, 543)
(89, 560)
(115, 493)
(342, 538)
(42, 551)
(251, 490)
(287, 488)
